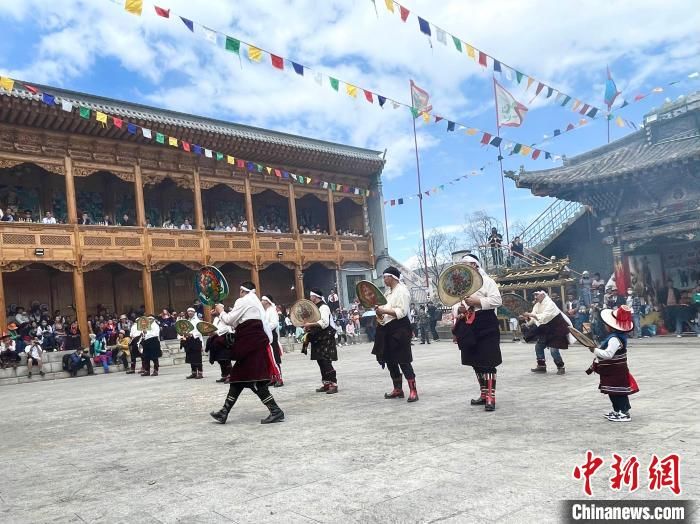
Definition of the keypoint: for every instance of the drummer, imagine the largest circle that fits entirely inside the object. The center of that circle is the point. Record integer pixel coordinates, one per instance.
(392, 343)
(321, 338)
(150, 341)
(193, 319)
(218, 346)
(273, 321)
(480, 339)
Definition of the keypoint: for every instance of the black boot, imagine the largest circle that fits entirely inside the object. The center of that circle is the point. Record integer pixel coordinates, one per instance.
(482, 387)
(398, 389)
(490, 379)
(221, 415)
(276, 414)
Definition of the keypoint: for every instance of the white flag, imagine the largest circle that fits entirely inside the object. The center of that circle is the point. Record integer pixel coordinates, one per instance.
(146, 132)
(441, 36)
(66, 105)
(207, 153)
(209, 34)
(509, 112)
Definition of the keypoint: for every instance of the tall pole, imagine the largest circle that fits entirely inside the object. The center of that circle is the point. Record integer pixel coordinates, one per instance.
(608, 120)
(420, 200)
(500, 161)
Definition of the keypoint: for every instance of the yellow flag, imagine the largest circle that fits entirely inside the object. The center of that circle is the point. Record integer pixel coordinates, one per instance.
(351, 90)
(426, 117)
(134, 6)
(389, 5)
(576, 104)
(254, 53)
(269, 169)
(620, 122)
(101, 117)
(172, 141)
(529, 82)
(308, 180)
(471, 131)
(470, 52)
(6, 83)
(582, 122)
(230, 159)
(525, 150)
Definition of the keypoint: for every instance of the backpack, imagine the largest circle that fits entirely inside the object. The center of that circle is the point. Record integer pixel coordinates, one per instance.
(65, 362)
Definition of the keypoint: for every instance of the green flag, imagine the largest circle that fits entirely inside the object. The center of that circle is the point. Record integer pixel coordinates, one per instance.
(458, 43)
(84, 112)
(160, 138)
(334, 82)
(219, 156)
(518, 76)
(415, 112)
(233, 45)
(516, 149)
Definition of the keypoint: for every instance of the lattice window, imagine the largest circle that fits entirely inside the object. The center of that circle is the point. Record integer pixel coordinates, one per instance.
(120, 241)
(347, 247)
(327, 247)
(54, 240)
(16, 238)
(241, 244)
(218, 244)
(268, 245)
(310, 245)
(362, 245)
(188, 242)
(98, 241)
(163, 242)
(288, 245)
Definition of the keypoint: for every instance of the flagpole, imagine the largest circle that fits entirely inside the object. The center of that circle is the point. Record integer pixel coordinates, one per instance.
(420, 195)
(500, 161)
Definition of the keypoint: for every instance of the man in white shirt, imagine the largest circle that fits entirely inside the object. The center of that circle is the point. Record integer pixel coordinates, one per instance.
(392, 342)
(273, 321)
(49, 218)
(255, 365)
(34, 354)
(218, 347)
(150, 341)
(479, 337)
(321, 337)
(186, 225)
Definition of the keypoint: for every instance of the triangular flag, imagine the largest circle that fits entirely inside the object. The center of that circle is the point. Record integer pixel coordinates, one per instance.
(389, 5)
(268, 169)
(233, 45)
(298, 68)
(518, 76)
(540, 86)
(458, 43)
(254, 54)
(424, 26)
(188, 23)
(381, 100)
(530, 80)
(404, 13)
(368, 96)
(277, 61)
(186, 146)
(567, 98)
(426, 117)
(620, 122)
(351, 90)
(165, 13)
(335, 83)
(134, 6)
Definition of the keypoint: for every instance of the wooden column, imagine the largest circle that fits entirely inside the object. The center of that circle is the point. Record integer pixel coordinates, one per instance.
(298, 283)
(3, 308)
(255, 277)
(80, 307)
(147, 286)
(331, 213)
(249, 216)
(293, 226)
(198, 212)
(138, 192)
(71, 201)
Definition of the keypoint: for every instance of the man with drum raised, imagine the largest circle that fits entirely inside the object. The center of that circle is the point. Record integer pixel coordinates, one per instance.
(321, 337)
(481, 348)
(392, 344)
(273, 321)
(255, 364)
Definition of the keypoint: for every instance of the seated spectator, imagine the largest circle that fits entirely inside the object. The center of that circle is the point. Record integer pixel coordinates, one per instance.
(46, 334)
(21, 317)
(34, 357)
(350, 332)
(48, 218)
(8, 216)
(126, 221)
(8, 355)
(124, 324)
(78, 359)
(168, 224)
(84, 220)
(186, 225)
(99, 352)
(123, 353)
(27, 217)
(71, 341)
(107, 221)
(15, 337)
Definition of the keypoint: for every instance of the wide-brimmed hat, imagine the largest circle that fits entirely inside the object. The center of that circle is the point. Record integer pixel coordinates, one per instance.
(12, 326)
(619, 319)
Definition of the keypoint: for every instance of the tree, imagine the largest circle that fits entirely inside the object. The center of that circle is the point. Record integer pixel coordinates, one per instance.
(438, 251)
(477, 228)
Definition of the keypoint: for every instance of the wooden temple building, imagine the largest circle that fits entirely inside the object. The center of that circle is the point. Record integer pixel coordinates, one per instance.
(53, 160)
(644, 193)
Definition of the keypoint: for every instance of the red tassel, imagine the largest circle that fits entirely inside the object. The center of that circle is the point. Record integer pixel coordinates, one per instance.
(623, 315)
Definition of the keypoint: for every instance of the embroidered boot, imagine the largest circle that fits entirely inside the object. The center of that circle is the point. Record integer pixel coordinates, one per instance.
(398, 390)
(221, 415)
(276, 413)
(490, 392)
(482, 387)
(413, 393)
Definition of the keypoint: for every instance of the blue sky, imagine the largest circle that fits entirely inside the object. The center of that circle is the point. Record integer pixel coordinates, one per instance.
(94, 46)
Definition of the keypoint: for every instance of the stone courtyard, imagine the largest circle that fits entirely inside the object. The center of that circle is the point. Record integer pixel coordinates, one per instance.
(120, 448)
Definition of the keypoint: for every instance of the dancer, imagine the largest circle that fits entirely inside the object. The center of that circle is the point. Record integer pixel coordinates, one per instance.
(193, 355)
(392, 342)
(321, 337)
(150, 342)
(219, 346)
(135, 349)
(480, 341)
(255, 365)
(610, 363)
(550, 326)
(273, 321)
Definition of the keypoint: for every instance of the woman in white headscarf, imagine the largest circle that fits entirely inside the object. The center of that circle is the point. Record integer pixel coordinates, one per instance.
(550, 326)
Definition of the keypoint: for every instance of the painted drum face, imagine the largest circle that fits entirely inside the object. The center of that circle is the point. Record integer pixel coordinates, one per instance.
(304, 311)
(210, 285)
(515, 305)
(143, 323)
(458, 281)
(206, 328)
(369, 295)
(581, 338)
(182, 327)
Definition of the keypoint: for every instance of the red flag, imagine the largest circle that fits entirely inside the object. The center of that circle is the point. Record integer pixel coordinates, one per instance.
(278, 173)
(584, 109)
(393, 202)
(117, 122)
(33, 90)
(186, 146)
(540, 86)
(486, 138)
(437, 118)
(368, 96)
(535, 154)
(165, 13)
(277, 61)
(404, 12)
(482, 58)
(569, 127)
(240, 163)
(638, 98)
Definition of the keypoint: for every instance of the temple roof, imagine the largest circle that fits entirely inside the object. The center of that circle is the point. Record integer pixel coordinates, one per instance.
(670, 136)
(251, 143)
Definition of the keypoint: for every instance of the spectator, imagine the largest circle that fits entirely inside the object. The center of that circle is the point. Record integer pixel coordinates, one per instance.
(289, 326)
(107, 221)
(186, 225)
(8, 216)
(78, 359)
(34, 357)
(84, 220)
(350, 332)
(424, 324)
(334, 301)
(168, 224)
(518, 252)
(571, 307)
(48, 218)
(635, 304)
(126, 221)
(21, 317)
(99, 352)
(495, 240)
(413, 318)
(71, 341)
(669, 297)
(433, 315)
(585, 283)
(123, 354)
(8, 355)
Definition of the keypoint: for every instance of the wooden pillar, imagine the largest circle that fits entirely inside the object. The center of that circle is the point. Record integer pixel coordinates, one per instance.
(255, 277)
(147, 286)
(198, 212)
(71, 202)
(3, 308)
(299, 282)
(80, 307)
(249, 216)
(138, 192)
(293, 225)
(331, 213)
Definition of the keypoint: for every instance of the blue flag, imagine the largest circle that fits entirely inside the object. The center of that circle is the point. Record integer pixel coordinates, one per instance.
(611, 91)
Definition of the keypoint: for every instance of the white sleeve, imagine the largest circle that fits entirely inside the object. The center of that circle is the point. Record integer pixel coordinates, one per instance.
(325, 316)
(607, 354)
(234, 317)
(403, 305)
(550, 311)
(272, 318)
(492, 297)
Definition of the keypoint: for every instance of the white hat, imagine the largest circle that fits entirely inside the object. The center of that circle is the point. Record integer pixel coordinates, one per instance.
(619, 319)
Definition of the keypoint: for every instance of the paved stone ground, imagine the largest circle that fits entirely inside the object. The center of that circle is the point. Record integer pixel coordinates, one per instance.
(129, 449)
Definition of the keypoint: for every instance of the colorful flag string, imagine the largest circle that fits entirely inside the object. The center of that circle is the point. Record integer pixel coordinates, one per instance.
(8, 85)
(256, 54)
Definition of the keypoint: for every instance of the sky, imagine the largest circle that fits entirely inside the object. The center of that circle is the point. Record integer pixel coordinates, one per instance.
(94, 46)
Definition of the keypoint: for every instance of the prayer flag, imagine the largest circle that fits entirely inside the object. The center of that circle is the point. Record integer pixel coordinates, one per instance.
(381, 100)
(496, 66)
(278, 173)
(84, 112)
(567, 98)
(496, 141)
(188, 23)
(557, 132)
(145, 132)
(230, 159)
(277, 61)
(389, 5)
(233, 45)
(611, 91)
(525, 150)
(368, 96)
(400, 201)
(101, 117)
(254, 54)
(219, 156)
(584, 109)
(68, 106)
(160, 138)
(7, 83)
(620, 122)
(516, 149)
(404, 13)
(207, 153)
(441, 36)
(535, 154)
(471, 131)
(547, 155)
(420, 98)
(197, 150)
(172, 141)
(486, 138)
(549, 91)
(450, 125)
(186, 146)
(335, 83)
(209, 34)
(48, 99)
(298, 68)
(165, 13)
(540, 86)
(458, 43)
(518, 76)
(117, 121)
(592, 112)
(134, 7)
(482, 59)
(33, 90)
(471, 52)
(424, 26)
(351, 90)
(131, 128)
(509, 112)
(426, 117)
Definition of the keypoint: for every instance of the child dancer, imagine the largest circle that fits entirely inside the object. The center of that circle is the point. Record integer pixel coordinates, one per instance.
(611, 363)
